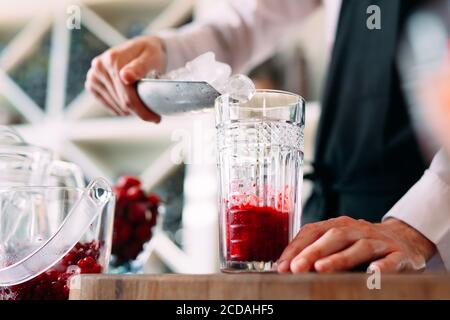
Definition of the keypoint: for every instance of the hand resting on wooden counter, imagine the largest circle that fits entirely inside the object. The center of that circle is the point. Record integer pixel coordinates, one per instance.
(344, 243)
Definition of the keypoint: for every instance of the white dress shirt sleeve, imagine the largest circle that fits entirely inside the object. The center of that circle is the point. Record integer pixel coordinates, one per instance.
(240, 33)
(426, 207)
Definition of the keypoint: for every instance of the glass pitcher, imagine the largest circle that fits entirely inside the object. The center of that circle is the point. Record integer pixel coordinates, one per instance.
(22, 164)
(48, 234)
(260, 156)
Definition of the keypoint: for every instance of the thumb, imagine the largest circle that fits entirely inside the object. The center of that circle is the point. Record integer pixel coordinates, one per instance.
(136, 69)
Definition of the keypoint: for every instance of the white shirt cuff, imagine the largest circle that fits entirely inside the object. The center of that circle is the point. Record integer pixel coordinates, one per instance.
(426, 208)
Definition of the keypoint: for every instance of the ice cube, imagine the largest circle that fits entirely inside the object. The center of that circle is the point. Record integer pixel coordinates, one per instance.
(206, 68)
(153, 74)
(181, 74)
(206, 59)
(240, 87)
(219, 75)
(203, 68)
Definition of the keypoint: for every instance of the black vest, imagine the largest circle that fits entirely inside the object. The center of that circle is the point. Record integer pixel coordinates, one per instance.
(367, 155)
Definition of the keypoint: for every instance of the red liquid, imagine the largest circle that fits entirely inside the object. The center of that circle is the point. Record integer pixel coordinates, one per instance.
(256, 233)
(53, 284)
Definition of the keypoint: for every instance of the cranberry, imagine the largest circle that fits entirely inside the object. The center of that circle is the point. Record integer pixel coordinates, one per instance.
(137, 211)
(153, 217)
(125, 231)
(115, 236)
(154, 199)
(52, 275)
(64, 277)
(86, 262)
(66, 290)
(95, 254)
(96, 268)
(118, 222)
(144, 232)
(121, 198)
(135, 194)
(53, 284)
(133, 250)
(127, 182)
(70, 258)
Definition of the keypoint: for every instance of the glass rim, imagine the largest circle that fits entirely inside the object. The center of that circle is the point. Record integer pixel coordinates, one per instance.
(37, 187)
(299, 99)
(23, 147)
(28, 188)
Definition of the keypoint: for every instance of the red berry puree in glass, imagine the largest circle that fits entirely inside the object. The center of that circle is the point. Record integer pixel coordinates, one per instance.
(53, 284)
(256, 233)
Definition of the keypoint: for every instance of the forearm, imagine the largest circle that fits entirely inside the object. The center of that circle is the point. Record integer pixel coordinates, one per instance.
(240, 33)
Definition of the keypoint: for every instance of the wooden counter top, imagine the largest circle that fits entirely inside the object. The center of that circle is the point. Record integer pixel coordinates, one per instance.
(259, 286)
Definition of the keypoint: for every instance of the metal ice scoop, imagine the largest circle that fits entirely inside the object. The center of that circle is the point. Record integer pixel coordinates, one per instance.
(169, 96)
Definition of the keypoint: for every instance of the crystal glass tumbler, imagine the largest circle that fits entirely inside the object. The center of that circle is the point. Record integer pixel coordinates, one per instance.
(260, 156)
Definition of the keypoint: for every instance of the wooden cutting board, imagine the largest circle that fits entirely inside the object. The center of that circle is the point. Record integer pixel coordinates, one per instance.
(259, 286)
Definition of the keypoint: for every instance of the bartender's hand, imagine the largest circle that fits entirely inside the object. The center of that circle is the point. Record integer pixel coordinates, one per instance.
(344, 243)
(112, 75)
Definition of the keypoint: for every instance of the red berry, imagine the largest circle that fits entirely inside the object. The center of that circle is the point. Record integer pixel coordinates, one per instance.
(86, 262)
(115, 237)
(52, 284)
(154, 199)
(96, 268)
(70, 258)
(124, 233)
(134, 194)
(57, 287)
(118, 222)
(127, 182)
(52, 275)
(143, 232)
(121, 231)
(154, 216)
(95, 254)
(63, 277)
(132, 250)
(137, 211)
(121, 198)
(66, 290)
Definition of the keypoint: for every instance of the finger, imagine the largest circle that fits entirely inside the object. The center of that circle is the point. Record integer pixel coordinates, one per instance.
(397, 262)
(360, 252)
(118, 88)
(137, 68)
(306, 236)
(111, 60)
(99, 94)
(135, 104)
(99, 97)
(334, 240)
(93, 84)
(130, 101)
(99, 71)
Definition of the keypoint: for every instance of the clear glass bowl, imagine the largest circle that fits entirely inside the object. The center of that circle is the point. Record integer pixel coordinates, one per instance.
(48, 234)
